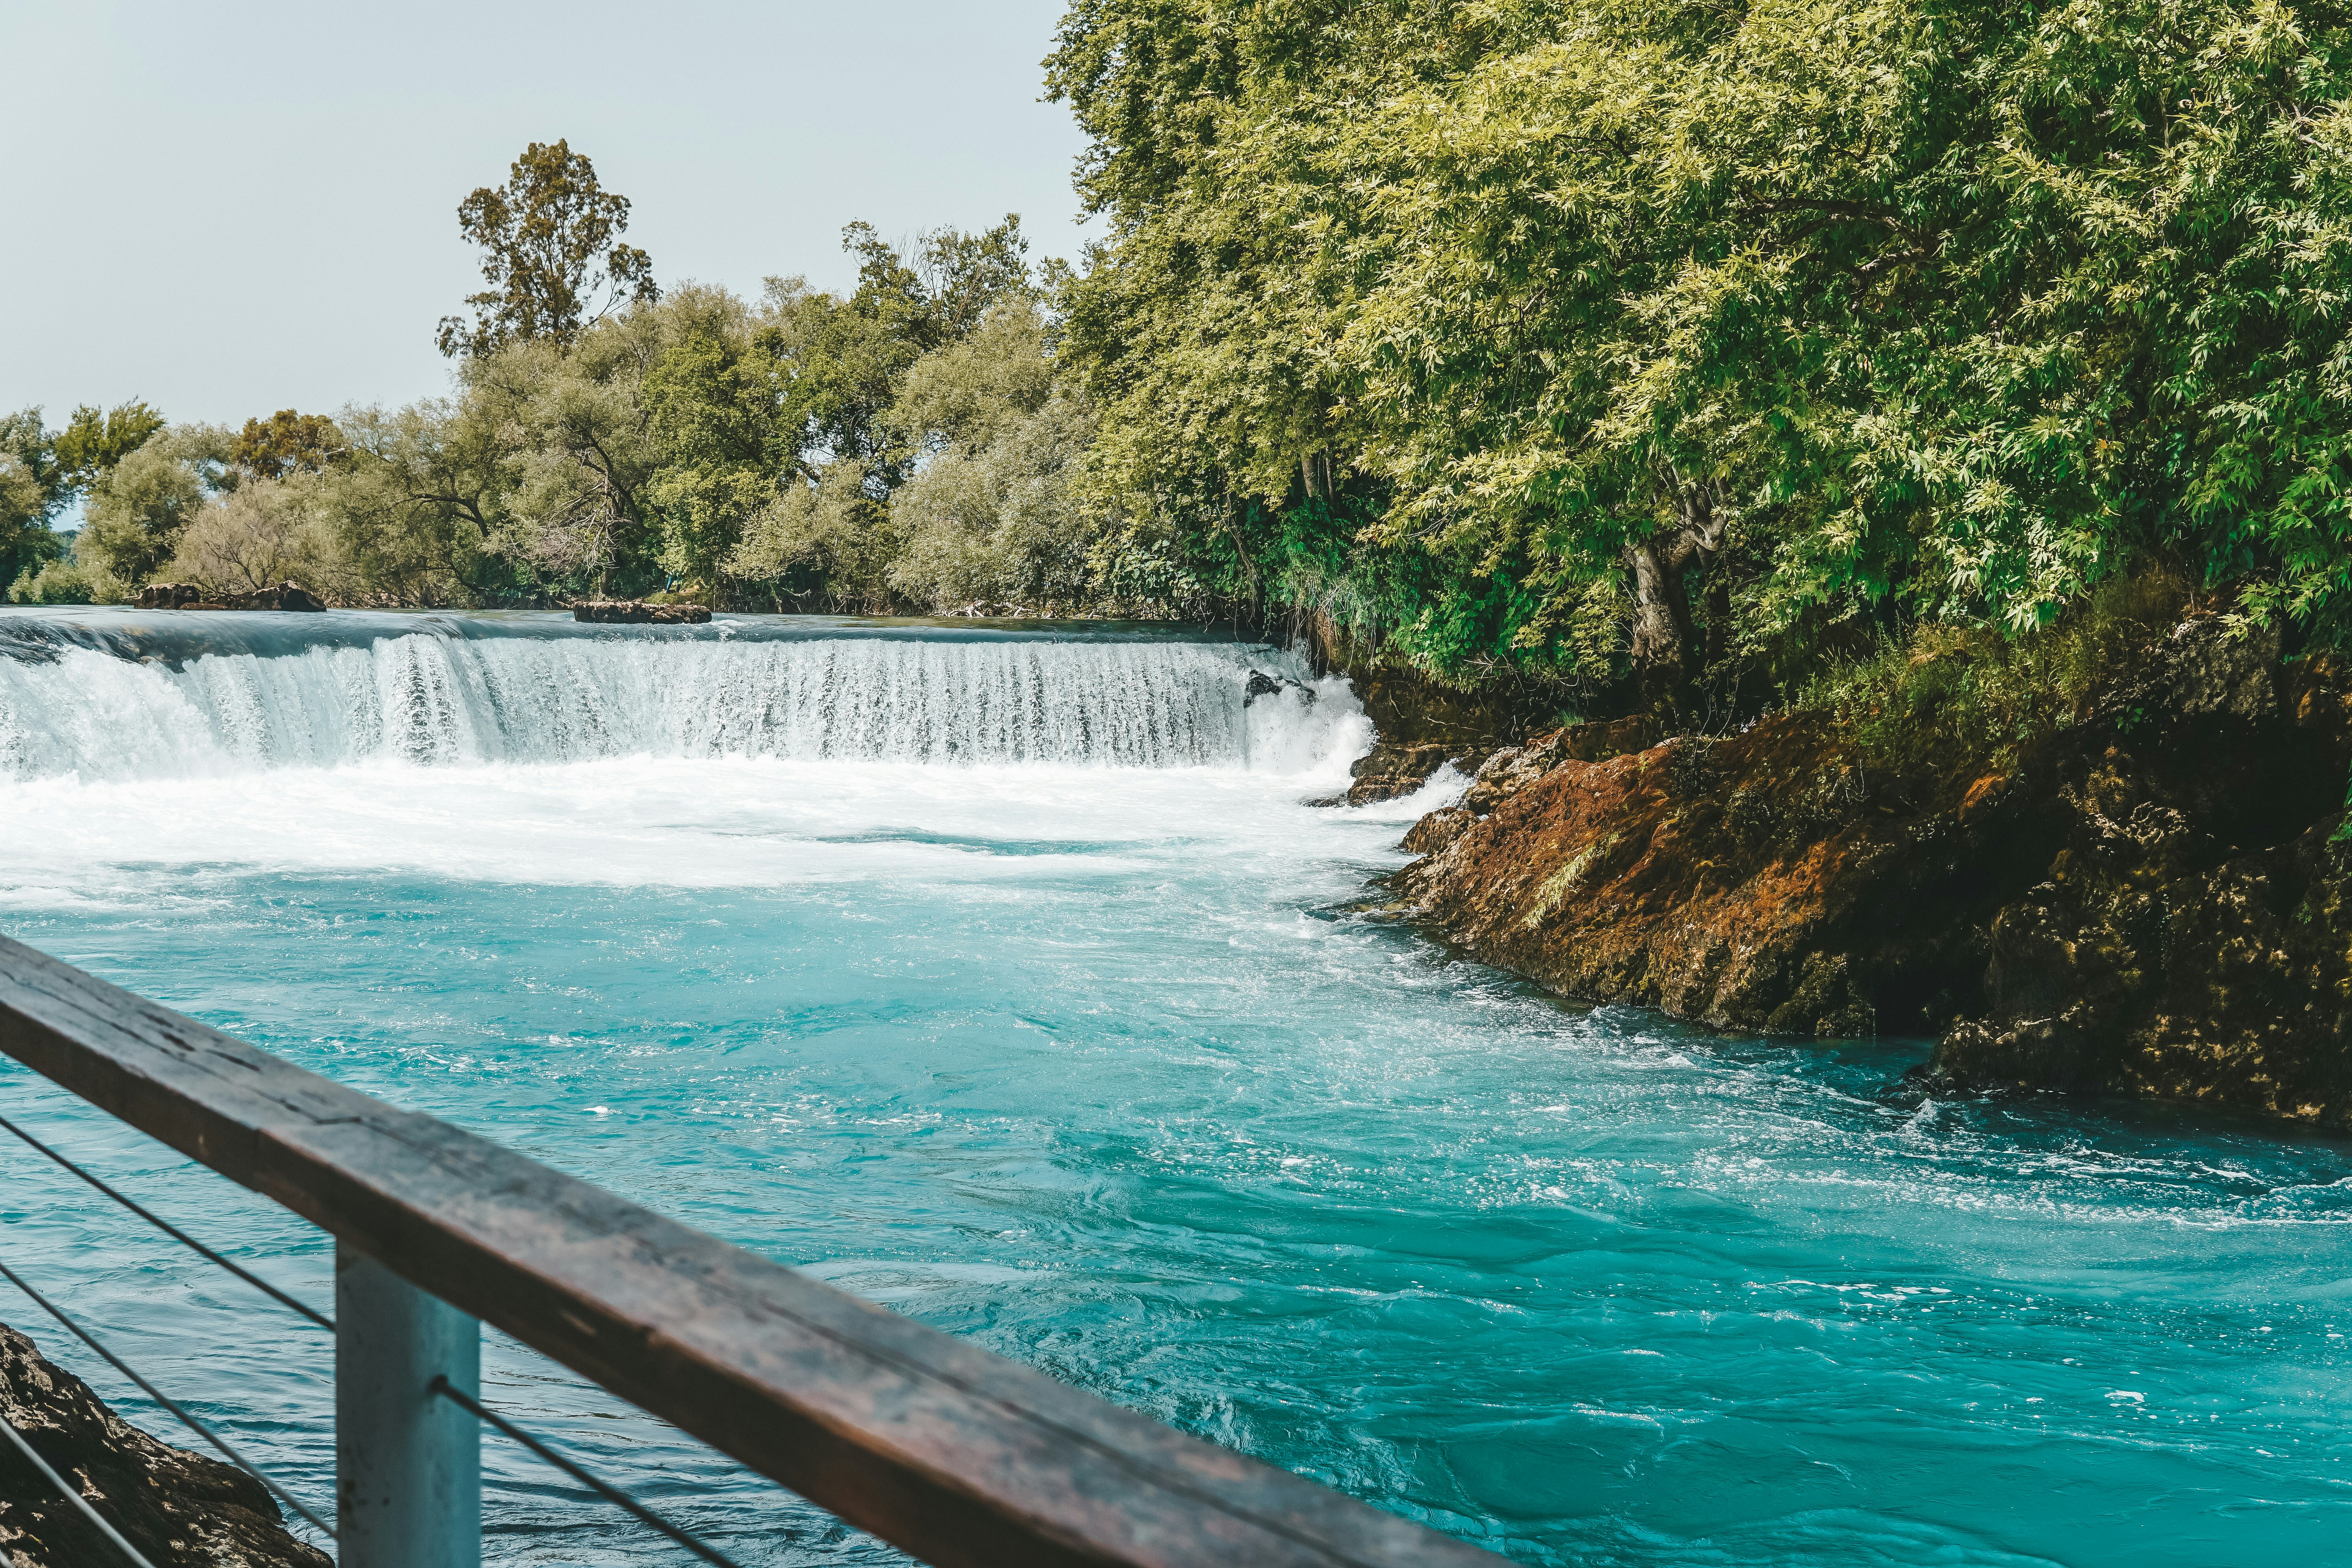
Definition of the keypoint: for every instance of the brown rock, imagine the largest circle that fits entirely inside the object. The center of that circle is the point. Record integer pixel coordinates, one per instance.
(1435, 833)
(1741, 882)
(2151, 902)
(180, 1509)
(188, 596)
(1387, 772)
(637, 612)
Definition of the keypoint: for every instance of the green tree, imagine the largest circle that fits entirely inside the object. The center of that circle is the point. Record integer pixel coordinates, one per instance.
(551, 244)
(267, 532)
(137, 510)
(716, 405)
(93, 442)
(571, 424)
(850, 354)
(289, 442)
(993, 515)
(32, 491)
(1571, 335)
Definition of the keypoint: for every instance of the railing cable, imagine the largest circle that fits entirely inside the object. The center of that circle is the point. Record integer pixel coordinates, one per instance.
(613, 1495)
(174, 1232)
(25, 1446)
(198, 1428)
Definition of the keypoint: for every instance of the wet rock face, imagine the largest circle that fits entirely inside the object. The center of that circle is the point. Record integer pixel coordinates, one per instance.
(1388, 771)
(180, 1509)
(2151, 902)
(2150, 970)
(1744, 883)
(1423, 727)
(637, 612)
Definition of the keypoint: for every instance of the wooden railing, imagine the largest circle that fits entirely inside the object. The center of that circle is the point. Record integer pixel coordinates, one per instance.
(958, 1456)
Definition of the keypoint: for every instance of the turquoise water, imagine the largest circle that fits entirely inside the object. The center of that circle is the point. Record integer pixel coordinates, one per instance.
(1092, 1055)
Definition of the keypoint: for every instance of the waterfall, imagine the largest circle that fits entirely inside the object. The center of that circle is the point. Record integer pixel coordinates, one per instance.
(445, 695)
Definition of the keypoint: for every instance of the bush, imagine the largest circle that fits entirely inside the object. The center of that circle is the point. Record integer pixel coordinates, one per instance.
(71, 581)
(266, 532)
(1953, 698)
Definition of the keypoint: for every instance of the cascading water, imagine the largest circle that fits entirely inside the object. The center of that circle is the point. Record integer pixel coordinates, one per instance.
(1002, 976)
(435, 698)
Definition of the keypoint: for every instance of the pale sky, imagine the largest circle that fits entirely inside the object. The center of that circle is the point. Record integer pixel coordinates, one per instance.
(232, 208)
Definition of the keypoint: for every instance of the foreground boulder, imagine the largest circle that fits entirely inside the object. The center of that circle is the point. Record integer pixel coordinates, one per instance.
(177, 1508)
(2149, 901)
(638, 613)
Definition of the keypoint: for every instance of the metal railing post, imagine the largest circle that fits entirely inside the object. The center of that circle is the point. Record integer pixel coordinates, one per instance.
(408, 1464)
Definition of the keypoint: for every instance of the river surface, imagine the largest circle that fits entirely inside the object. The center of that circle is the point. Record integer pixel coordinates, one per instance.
(1006, 978)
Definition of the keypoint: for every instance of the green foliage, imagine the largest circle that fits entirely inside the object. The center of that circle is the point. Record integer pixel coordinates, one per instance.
(69, 581)
(993, 518)
(32, 489)
(289, 442)
(90, 446)
(1961, 700)
(40, 471)
(137, 510)
(141, 483)
(551, 242)
(714, 404)
(821, 545)
(265, 533)
(1845, 303)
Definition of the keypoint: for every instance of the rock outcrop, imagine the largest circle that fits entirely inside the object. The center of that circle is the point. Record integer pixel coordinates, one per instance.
(1422, 726)
(188, 596)
(639, 613)
(2151, 901)
(180, 1509)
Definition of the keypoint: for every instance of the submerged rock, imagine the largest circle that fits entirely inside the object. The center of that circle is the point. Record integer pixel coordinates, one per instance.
(1261, 684)
(180, 1509)
(2151, 902)
(637, 612)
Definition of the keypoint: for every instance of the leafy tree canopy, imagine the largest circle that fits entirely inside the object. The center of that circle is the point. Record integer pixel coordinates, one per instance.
(93, 443)
(1555, 333)
(551, 247)
(31, 492)
(288, 442)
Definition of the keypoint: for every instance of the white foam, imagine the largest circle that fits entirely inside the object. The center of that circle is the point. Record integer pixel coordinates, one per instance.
(450, 701)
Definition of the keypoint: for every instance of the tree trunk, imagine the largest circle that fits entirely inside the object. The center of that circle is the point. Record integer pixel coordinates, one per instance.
(1660, 609)
(1662, 618)
(1315, 473)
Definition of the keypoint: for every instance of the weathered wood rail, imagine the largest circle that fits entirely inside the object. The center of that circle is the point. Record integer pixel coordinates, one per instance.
(953, 1454)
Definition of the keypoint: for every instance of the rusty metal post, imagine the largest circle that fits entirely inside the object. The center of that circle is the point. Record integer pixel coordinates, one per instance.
(408, 1464)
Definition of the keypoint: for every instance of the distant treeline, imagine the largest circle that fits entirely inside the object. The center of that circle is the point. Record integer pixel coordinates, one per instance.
(1662, 349)
(908, 445)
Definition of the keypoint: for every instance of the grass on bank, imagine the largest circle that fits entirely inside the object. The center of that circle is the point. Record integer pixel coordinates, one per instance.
(1944, 697)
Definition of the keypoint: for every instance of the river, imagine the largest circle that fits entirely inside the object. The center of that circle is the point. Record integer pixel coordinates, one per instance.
(1005, 977)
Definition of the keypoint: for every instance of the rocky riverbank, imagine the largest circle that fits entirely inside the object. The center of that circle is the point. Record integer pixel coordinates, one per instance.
(2148, 899)
(180, 1509)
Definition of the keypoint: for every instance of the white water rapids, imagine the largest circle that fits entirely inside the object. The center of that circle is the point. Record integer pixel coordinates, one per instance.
(435, 699)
